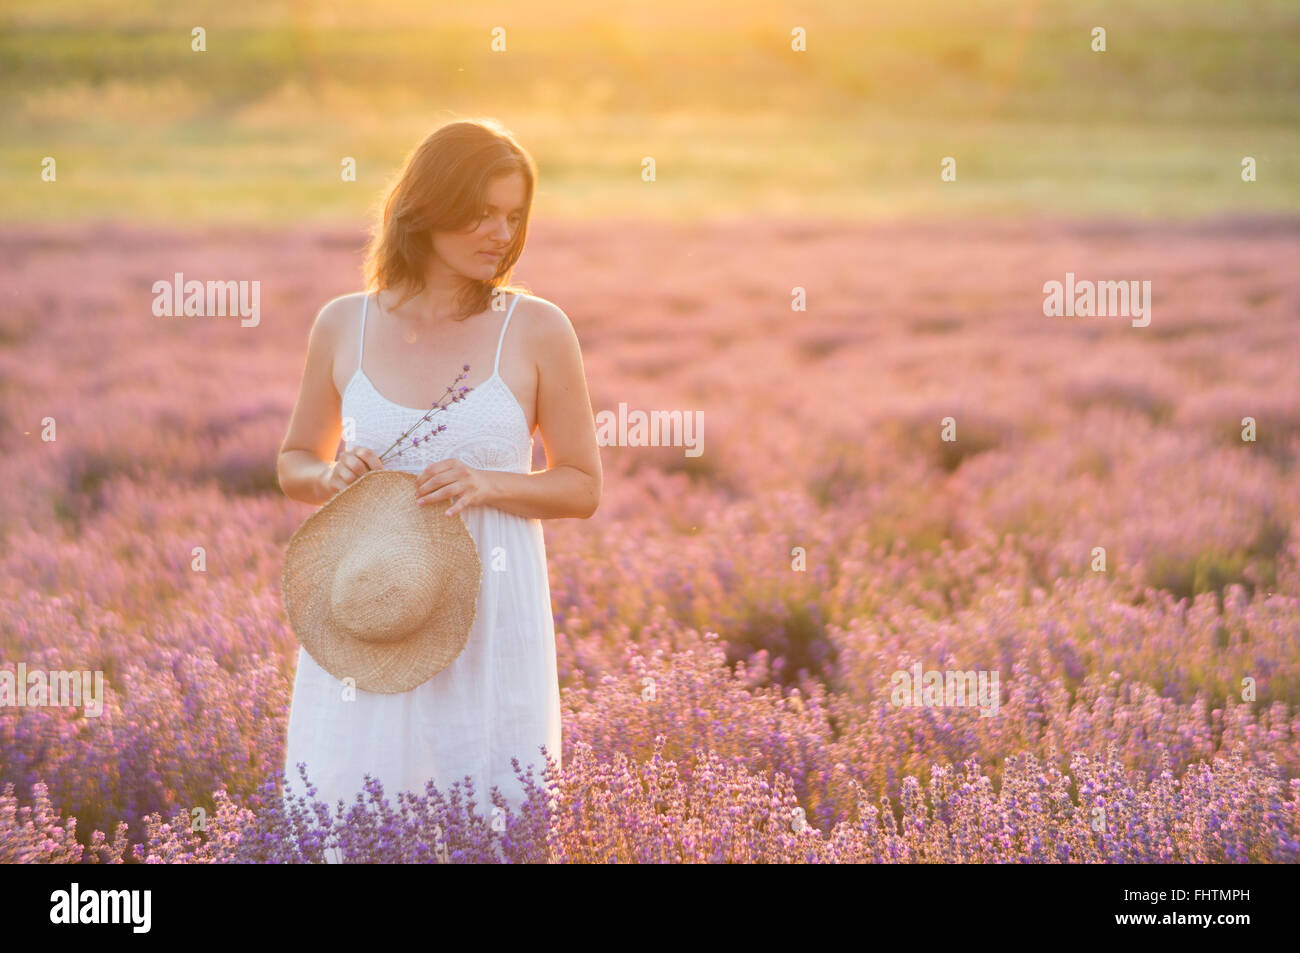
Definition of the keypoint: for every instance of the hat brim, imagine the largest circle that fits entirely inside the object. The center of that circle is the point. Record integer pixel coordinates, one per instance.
(312, 556)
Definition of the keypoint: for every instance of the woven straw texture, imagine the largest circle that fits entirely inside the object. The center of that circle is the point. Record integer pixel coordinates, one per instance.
(379, 589)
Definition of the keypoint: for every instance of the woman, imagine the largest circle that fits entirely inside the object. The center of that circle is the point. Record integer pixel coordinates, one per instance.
(438, 269)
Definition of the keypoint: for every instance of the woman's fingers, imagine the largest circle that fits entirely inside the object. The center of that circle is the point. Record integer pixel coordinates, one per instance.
(352, 465)
(370, 458)
(348, 470)
(443, 492)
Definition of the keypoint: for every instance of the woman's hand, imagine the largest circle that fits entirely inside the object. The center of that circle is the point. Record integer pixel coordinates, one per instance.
(349, 467)
(451, 479)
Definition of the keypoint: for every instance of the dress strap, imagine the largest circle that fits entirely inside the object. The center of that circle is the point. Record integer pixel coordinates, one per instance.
(496, 365)
(361, 344)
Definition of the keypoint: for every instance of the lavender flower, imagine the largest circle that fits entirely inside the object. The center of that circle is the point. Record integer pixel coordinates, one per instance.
(456, 394)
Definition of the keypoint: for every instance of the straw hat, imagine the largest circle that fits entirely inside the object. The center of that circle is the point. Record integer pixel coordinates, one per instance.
(380, 589)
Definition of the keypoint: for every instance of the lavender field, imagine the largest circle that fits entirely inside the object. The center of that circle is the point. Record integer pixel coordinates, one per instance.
(1097, 534)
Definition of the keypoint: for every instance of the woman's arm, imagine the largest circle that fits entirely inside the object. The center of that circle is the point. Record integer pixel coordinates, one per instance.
(570, 486)
(307, 454)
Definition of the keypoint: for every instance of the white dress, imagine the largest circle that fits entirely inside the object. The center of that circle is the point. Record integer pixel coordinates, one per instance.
(500, 697)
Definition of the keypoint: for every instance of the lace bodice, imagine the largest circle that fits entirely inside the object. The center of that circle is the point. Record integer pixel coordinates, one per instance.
(486, 429)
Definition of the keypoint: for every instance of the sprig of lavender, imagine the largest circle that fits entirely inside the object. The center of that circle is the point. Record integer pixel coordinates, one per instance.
(440, 404)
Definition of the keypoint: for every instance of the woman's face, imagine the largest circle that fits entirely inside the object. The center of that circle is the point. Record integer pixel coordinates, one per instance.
(500, 218)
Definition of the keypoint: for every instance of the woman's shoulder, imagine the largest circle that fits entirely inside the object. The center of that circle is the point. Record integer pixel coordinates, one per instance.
(550, 331)
(539, 312)
(349, 303)
(339, 312)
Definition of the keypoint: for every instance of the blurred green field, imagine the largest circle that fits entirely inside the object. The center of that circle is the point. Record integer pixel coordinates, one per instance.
(255, 128)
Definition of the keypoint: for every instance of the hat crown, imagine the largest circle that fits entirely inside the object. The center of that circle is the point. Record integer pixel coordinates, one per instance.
(386, 585)
(380, 590)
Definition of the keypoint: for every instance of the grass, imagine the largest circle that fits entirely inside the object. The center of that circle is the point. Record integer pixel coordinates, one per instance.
(255, 127)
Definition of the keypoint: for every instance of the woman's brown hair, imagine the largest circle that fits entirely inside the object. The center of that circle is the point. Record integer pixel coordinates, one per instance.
(442, 187)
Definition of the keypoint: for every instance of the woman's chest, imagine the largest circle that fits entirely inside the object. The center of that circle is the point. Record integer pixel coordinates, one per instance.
(518, 384)
(485, 429)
